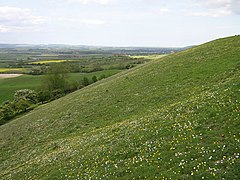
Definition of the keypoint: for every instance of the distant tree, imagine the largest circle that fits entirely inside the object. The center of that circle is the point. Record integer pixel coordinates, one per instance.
(56, 77)
(77, 85)
(57, 93)
(94, 79)
(85, 81)
(120, 66)
(35, 71)
(97, 68)
(129, 66)
(74, 67)
(102, 76)
(43, 69)
(44, 96)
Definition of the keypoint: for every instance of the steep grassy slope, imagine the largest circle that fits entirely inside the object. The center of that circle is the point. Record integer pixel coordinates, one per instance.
(176, 117)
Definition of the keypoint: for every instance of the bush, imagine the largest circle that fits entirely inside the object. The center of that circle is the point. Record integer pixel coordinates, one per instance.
(21, 105)
(44, 96)
(6, 111)
(77, 85)
(27, 95)
(57, 93)
(102, 77)
(97, 68)
(94, 79)
(129, 66)
(85, 81)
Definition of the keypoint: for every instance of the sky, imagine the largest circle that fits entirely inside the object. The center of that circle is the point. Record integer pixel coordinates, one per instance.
(149, 23)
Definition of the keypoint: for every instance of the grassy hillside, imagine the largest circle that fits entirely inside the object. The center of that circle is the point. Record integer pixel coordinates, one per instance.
(175, 118)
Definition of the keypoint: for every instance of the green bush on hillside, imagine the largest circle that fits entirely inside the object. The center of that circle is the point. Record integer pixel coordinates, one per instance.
(23, 100)
(85, 81)
(6, 112)
(27, 95)
(102, 77)
(94, 78)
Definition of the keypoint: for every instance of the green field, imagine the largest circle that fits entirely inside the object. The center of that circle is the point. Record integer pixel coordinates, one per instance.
(172, 118)
(10, 85)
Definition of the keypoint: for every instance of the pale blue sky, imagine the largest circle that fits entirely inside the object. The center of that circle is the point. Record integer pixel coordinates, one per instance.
(159, 23)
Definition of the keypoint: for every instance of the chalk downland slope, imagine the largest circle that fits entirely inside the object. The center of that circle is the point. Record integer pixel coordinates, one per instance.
(176, 117)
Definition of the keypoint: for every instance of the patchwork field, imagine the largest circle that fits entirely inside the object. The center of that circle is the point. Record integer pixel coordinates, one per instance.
(9, 85)
(50, 61)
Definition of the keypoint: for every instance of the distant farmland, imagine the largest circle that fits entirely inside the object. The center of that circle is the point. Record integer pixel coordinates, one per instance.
(10, 85)
(50, 61)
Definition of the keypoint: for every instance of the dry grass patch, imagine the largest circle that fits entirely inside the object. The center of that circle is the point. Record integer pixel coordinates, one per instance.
(4, 76)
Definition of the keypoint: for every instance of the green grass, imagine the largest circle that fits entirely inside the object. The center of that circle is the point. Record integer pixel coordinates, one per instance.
(175, 118)
(10, 85)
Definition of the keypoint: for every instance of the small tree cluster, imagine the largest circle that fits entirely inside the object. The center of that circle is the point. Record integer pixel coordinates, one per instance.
(56, 77)
(23, 100)
(55, 83)
(94, 79)
(6, 112)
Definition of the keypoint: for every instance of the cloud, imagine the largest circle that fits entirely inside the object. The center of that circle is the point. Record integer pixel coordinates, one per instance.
(215, 3)
(102, 2)
(209, 14)
(164, 10)
(218, 8)
(3, 29)
(18, 19)
(92, 22)
(82, 21)
(235, 6)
